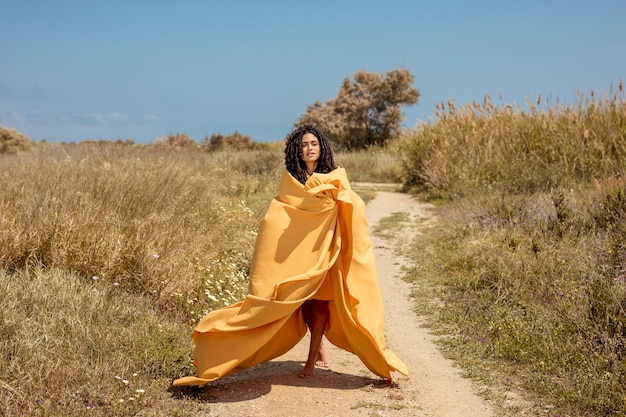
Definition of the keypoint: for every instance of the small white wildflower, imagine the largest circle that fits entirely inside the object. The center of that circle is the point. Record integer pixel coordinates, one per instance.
(95, 278)
(156, 256)
(116, 284)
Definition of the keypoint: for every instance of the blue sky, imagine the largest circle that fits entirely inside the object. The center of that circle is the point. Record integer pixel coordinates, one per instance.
(76, 70)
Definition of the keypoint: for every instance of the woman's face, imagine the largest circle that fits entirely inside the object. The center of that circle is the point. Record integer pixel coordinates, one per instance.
(310, 148)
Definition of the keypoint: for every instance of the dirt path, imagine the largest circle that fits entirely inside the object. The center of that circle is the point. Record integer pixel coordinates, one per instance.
(347, 388)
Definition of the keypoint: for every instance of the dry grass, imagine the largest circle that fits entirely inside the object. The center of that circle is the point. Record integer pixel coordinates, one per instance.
(477, 148)
(379, 165)
(528, 265)
(110, 254)
(71, 349)
(145, 219)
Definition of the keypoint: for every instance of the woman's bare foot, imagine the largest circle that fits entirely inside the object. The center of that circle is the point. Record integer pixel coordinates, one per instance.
(308, 371)
(322, 358)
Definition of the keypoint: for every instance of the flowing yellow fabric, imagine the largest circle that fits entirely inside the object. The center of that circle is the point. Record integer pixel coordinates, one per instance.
(310, 233)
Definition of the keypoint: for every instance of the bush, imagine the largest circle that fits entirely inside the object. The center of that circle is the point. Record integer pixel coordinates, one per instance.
(178, 141)
(12, 141)
(233, 142)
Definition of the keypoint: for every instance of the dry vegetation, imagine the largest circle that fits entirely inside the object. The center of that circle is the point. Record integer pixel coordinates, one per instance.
(110, 254)
(530, 265)
(112, 251)
(12, 141)
(477, 149)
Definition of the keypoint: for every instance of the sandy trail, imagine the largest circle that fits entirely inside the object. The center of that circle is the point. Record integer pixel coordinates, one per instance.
(347, 388)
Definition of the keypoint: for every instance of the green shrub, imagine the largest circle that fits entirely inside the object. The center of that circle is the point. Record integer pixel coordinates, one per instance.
(234, 142)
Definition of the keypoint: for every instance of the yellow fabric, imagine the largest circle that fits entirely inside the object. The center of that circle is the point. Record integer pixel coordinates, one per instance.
(310, 232)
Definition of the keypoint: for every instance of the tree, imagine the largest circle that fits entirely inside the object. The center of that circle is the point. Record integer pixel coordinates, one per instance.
(367, 111)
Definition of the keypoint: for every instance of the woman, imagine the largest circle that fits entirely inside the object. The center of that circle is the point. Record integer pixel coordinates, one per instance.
(313, 266)
(307, 152)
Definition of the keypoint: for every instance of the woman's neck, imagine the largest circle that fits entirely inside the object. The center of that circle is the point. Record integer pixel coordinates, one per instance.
(310, 167)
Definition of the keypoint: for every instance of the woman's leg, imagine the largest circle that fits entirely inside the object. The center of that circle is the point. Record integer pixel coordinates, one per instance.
(322, 357)
(307, 313)
(316, 320)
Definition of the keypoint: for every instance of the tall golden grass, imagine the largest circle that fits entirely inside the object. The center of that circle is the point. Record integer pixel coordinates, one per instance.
(146, 219)
(482, 147)
(530, 264)
(378, 165)
(110, 254)
(161, 236)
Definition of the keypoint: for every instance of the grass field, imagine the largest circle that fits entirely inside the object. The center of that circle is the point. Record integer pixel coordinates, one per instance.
(528, 265)
(111, 252)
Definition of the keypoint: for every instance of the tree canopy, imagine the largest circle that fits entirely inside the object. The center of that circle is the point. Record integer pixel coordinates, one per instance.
(367, 110)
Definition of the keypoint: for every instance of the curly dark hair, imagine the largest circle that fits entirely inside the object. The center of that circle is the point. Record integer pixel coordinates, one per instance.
(293, 153)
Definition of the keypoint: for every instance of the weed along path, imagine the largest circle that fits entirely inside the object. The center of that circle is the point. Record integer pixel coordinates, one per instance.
(347, 388)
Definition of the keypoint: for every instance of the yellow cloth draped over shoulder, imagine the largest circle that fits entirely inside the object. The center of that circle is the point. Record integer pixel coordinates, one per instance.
(313, 236)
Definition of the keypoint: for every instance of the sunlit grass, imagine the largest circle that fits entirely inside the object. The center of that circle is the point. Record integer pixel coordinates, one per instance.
(484, 148)
(68, 347)
(378, 165)
(110, 255)
(524, 274)
(148, 220)
(112, 252)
